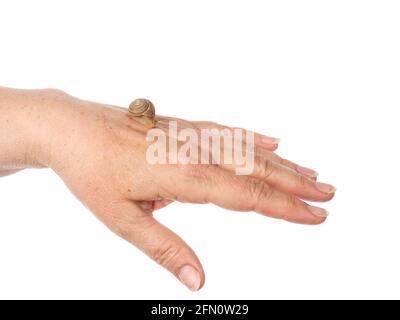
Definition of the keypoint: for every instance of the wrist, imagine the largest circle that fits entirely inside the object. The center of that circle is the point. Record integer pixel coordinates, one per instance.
(27, 125)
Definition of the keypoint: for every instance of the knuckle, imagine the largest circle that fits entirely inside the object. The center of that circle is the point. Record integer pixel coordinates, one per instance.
(120, 227)
(166, 254)
(122, 223)
(267, 168)
(302, 181)
(199, 174)
(289, 206)
(259, 190)
(211, 124)
(291, 202)
(192, 170)
(204, 124)
(199, 179)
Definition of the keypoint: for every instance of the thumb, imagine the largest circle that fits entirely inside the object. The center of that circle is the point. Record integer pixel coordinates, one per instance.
(158, 242)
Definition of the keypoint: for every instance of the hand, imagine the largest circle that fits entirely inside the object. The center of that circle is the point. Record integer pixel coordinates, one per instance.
(100, 154)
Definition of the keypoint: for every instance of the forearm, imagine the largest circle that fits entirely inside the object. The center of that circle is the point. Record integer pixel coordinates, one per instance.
(24, 128)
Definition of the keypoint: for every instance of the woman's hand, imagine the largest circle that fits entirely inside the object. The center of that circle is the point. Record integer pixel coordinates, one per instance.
(100, 153)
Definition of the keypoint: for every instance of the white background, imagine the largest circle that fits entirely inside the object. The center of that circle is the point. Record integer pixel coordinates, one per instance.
(324, 76)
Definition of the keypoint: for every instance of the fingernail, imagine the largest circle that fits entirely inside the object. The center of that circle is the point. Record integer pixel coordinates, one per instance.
(326, 188)
(307, 172)
(319, 212)
(190, 277)
(270, 140)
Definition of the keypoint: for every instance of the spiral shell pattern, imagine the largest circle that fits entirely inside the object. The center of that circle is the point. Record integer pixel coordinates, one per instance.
(144, 111)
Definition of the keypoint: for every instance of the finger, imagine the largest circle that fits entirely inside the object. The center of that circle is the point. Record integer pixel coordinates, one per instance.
(268, 155)
(287, 180)
(211, 184)
(279, 175)
(267, 144)
(263, 147)
(261, 141)
(158, 242)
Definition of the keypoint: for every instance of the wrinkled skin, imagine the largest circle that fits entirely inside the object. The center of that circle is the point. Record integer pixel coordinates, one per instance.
(100, 153)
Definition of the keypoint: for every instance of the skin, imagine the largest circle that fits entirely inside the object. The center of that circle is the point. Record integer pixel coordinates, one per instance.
(99, 152)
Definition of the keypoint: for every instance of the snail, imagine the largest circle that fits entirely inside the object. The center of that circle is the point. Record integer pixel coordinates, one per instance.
(143, 111)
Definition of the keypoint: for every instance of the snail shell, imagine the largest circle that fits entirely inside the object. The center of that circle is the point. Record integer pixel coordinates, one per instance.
(143, 110)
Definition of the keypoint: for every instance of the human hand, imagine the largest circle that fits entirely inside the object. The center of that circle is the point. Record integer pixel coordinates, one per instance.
(100, 153)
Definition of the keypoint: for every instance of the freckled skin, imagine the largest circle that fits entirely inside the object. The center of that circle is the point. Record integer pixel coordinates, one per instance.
(100, 154)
